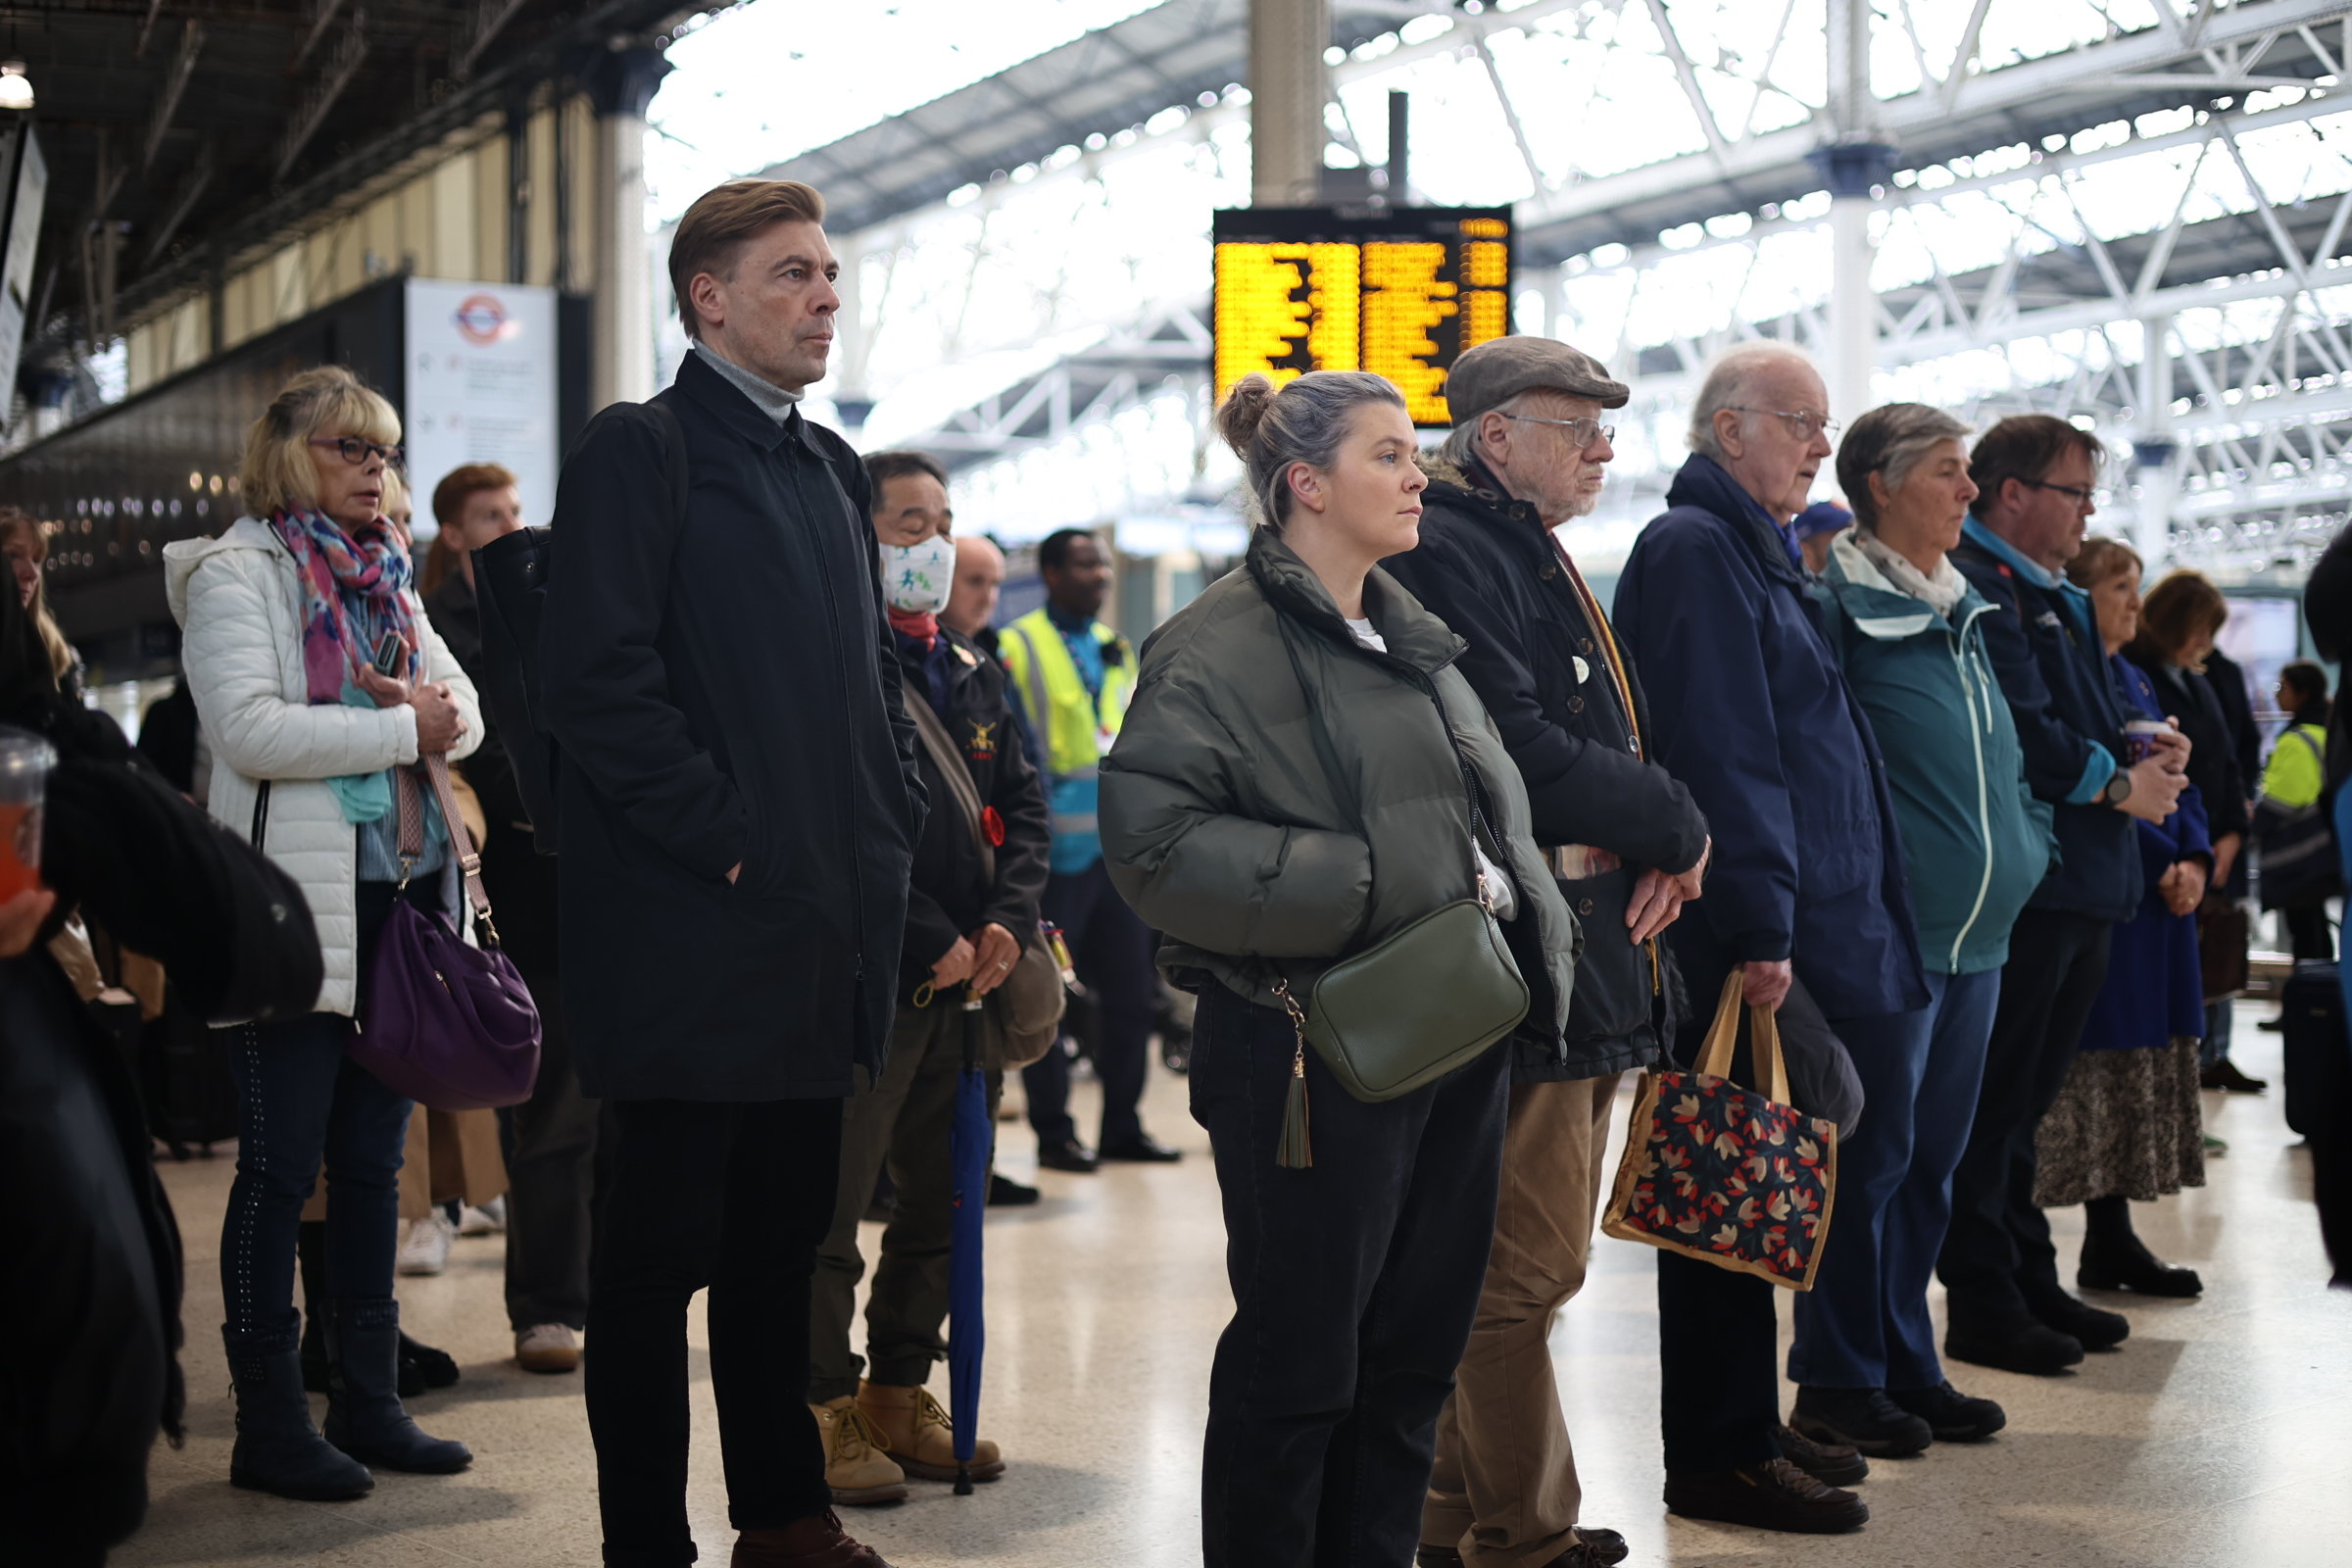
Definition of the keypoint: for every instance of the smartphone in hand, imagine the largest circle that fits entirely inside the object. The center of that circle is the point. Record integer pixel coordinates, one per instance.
(387, 654)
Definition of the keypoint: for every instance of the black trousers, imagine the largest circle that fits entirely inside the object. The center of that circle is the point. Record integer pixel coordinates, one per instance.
(734, 1198)
(1998, 1259)
(1354, 1284)
(2332, 1192)
(1719, 1353)
(2308, 933)
(550, 1178)
(1112, 948)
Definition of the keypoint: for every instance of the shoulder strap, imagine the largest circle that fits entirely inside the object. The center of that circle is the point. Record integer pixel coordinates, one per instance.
(2302, 732)
(941, 747)
(408, 799)
(673, 435)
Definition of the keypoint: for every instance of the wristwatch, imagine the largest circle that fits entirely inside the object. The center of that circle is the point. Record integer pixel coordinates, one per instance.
(2119, 786)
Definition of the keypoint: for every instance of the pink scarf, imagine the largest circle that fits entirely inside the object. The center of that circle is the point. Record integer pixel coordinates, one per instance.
(353, 590)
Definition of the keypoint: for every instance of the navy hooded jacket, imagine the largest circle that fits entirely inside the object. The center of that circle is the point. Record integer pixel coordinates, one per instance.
(1751, 712)
(2070, 724)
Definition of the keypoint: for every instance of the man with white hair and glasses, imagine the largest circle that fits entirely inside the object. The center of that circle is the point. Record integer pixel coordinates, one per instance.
(1806, 888)
(1528, 452)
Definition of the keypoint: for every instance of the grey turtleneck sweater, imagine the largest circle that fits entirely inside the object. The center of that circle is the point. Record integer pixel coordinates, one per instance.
(773, 400)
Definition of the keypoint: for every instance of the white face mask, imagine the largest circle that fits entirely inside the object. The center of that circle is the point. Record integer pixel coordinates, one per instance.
(916, 579)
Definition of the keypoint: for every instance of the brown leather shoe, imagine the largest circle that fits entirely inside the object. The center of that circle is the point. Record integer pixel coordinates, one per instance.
(819, 1542)
(1776, 1495)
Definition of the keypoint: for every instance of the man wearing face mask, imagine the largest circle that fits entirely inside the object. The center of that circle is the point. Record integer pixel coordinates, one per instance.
(964, 930)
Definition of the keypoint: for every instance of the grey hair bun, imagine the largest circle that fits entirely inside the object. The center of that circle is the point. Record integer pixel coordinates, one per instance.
(1244, 411)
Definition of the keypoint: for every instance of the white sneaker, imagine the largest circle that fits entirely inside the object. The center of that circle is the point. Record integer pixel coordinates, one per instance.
(488, 1220)
(424, 1249)
(548, 1347)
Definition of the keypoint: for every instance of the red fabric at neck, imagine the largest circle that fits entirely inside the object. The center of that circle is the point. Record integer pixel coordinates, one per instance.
(924, 627)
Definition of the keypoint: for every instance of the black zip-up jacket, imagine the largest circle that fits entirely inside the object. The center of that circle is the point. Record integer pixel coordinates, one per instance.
(949, 897)
(724, 693)
(2065, 702)
(1487, 567)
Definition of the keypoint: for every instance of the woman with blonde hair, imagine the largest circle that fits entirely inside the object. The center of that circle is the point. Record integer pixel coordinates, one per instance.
(1304, 775)
(25, 541)
(284, 618)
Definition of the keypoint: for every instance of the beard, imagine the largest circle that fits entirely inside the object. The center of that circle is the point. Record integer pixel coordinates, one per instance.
(1584, 498)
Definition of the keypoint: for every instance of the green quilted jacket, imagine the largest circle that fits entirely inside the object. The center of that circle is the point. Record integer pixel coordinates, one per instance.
(1221, 822)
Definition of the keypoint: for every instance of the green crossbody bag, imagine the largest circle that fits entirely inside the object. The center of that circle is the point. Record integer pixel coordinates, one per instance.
(1419, 1002)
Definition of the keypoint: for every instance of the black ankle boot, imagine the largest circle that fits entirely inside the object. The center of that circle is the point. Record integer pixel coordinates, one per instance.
(364, 1416)
(2127, 1264)
(277, 1448)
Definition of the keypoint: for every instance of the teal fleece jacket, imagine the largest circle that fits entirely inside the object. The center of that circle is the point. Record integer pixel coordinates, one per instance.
(1975, 838)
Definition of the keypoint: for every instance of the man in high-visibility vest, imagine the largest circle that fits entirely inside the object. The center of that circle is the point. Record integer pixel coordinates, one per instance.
(1074, 676)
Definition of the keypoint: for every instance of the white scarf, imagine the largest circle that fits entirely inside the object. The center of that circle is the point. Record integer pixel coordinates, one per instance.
(1940, 593)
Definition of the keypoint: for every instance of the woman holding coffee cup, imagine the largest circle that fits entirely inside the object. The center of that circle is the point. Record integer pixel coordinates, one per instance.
(2129, 1125)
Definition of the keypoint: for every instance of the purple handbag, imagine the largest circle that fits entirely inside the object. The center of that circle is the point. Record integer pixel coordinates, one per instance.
(449, 1025)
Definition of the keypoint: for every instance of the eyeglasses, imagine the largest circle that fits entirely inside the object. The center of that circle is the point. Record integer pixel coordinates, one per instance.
(1804, 422)
(356, 451)
(1586, 433)
(2082, 494)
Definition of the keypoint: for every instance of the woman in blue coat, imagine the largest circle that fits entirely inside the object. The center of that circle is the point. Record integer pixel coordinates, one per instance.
(1907, 632)
(2129, 1124)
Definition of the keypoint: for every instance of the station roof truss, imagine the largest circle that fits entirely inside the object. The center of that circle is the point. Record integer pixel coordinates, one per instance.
(181, 135)
(2010, 274)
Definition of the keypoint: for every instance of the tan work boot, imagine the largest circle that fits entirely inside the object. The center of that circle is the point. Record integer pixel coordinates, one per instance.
(856, 1468)
(918, 1432)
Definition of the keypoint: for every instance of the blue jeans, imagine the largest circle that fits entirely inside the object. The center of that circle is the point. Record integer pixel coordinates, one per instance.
(302, 1099)
(1863, 1324)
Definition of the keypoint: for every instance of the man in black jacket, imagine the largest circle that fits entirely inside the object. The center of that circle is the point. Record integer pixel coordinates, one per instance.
(1526, 455)
(965, 921)
(2034, 477)
(739, 809)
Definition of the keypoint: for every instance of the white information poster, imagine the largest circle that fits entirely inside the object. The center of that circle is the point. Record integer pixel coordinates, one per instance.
(481, 362)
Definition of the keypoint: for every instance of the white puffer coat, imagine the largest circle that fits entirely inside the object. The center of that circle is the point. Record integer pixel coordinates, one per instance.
(239, 606)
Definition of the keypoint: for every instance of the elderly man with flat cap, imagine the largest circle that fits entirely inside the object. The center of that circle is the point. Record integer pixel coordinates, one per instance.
(1527, 453)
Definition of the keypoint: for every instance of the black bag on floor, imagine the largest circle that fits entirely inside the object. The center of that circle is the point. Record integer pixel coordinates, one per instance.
(184, 1077)
(2319, 1054)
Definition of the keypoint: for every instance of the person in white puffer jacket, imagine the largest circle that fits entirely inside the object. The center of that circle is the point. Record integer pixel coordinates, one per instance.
(281, 617)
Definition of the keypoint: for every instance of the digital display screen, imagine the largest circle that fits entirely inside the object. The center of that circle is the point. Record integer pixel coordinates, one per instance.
(1399, 292)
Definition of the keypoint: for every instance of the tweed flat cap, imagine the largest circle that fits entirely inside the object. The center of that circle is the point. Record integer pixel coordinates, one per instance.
(1500, 369)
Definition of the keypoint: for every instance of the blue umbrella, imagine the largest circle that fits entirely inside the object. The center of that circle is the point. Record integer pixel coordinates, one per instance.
(968, 1327)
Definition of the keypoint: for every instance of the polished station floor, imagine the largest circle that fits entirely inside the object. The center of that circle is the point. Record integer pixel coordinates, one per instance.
(2221, 1434)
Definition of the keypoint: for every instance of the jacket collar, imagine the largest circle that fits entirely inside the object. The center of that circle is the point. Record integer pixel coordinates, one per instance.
(1415, 636)
(2007, 554)
(1475, 491)
(1703, 483)
(1877, 607)
(714, 394)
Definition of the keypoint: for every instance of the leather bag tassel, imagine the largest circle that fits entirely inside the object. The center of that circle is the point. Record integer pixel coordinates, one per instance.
(1295, 1151)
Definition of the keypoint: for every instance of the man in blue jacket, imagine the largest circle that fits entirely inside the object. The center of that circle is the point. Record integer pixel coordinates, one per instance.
(2034, 477)
(1527, 454)
(1808, 877)
(1807, 880)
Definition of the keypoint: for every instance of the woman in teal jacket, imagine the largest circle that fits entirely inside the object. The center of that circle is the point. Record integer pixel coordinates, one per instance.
(1906, 627)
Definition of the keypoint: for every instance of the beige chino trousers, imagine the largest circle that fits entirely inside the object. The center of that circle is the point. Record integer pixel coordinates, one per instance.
(1504, 1492)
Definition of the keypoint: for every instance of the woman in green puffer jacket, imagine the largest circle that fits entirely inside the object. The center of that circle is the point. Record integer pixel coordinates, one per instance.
(1225, 825)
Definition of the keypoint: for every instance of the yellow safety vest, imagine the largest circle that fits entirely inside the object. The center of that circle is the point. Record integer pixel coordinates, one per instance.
(1077, 729)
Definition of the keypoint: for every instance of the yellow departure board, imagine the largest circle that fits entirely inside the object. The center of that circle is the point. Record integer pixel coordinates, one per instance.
(1398, 292)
